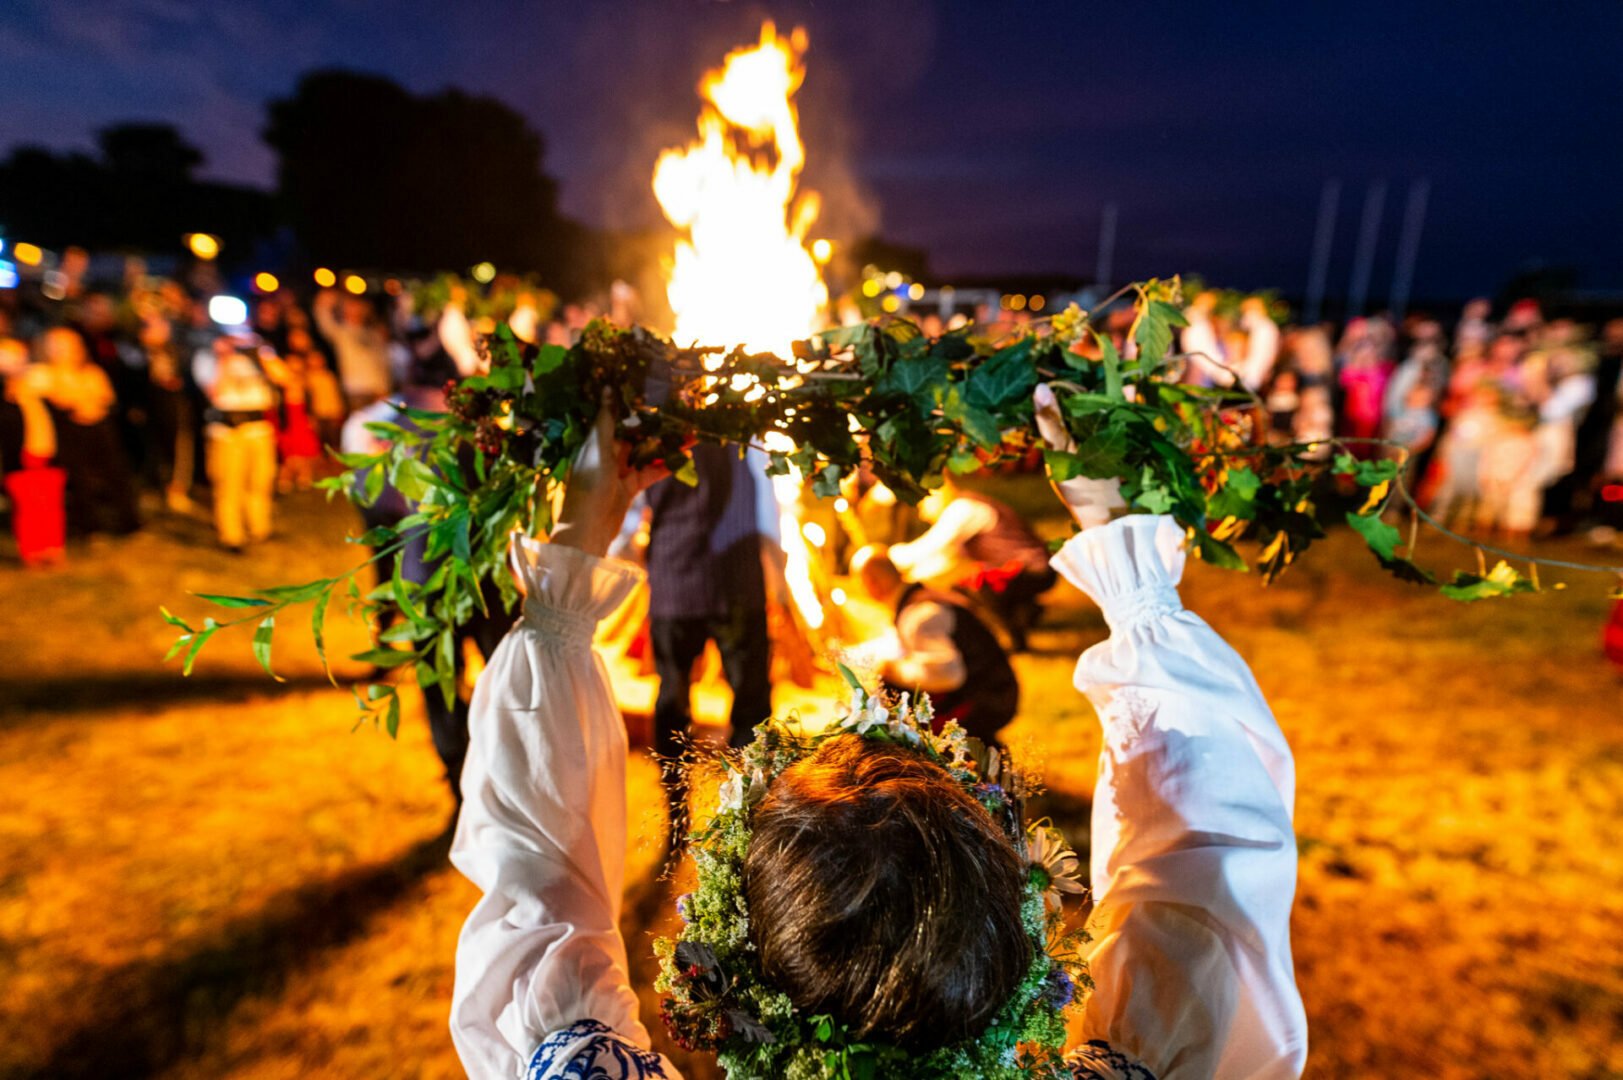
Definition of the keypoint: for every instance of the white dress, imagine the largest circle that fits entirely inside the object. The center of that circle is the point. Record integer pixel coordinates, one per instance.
(1194, 857)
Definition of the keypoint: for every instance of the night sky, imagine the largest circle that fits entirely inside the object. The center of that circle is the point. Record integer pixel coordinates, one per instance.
(989, 134)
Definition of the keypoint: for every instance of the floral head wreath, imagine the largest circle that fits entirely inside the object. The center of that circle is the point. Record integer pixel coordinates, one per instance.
(719, 999)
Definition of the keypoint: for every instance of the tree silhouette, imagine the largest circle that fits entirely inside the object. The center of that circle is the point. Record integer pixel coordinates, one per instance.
(139, 194)
(371, 175)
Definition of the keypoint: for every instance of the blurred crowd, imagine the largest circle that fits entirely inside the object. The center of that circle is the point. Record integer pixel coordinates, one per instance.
(1511, 426)
(147, 397)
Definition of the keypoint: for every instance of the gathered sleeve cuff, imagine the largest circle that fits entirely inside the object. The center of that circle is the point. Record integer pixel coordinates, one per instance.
(542, 831)
(1194, 852)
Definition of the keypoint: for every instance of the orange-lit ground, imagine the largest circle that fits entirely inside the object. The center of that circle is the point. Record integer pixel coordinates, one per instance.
(214, 877)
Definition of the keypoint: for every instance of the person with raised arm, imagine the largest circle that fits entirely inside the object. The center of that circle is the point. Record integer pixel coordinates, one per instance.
(869, 886)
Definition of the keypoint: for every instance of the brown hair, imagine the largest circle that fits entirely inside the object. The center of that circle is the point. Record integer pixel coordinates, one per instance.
(881, 893)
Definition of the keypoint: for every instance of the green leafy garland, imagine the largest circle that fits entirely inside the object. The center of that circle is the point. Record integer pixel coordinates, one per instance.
(717, 997)
(877, 395)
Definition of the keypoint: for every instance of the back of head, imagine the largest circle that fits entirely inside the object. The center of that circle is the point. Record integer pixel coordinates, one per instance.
(881, 893)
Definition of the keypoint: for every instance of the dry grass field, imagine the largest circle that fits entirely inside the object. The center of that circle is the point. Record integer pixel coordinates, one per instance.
(216, 877)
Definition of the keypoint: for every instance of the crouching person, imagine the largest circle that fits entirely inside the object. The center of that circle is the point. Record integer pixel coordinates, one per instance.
(942, 648)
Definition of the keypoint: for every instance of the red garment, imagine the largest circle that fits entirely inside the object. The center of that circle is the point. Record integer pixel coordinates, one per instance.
(297, 437)
(37, 513)
(995, 578)
(1612, 639)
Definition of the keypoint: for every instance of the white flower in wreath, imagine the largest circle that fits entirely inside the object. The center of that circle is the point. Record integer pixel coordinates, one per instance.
(1047, 850)
(739, 792)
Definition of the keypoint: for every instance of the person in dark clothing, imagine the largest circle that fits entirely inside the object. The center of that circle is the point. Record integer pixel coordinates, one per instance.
(941, 648)
(706, 583)
(982, 546)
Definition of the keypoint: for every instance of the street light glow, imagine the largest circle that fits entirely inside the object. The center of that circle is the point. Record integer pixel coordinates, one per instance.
(203, 245)
(228, 310)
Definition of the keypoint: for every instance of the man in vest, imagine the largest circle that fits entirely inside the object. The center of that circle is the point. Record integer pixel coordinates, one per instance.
(980, 545)
(940, 648)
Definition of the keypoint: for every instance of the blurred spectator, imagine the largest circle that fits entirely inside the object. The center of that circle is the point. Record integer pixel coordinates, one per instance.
(1201, 341)
(27, 445)
(1460, 455)
(980, 545)
(939, 647)
(1474, 329)
(100, 492)
(297, 442)
(360, 341)
(1363, 388)
(326, 397)
(241, 438)
(1509, 482)
(171, 410)
(1261, 343)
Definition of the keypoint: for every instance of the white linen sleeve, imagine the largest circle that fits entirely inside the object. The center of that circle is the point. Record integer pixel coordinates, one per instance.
(1194, 853)
(938, 551)
(543, 829)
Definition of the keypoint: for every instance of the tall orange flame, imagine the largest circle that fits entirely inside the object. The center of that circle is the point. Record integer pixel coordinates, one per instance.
(742, 273)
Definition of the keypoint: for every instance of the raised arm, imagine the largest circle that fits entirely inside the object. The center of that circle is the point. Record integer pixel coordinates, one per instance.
(542, 985)
(1194, 855)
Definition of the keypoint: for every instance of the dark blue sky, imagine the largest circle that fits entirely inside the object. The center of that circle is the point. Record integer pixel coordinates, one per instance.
(988, 133)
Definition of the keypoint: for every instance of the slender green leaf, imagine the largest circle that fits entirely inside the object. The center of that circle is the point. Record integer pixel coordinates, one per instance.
(233, 601)
(262, 645)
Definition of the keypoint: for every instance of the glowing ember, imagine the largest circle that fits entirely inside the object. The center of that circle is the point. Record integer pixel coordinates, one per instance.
(744, 274)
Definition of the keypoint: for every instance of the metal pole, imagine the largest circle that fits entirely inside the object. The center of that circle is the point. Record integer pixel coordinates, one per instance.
(1323, 236)
(1107, 247)
(1414, 218)
(1369, 231)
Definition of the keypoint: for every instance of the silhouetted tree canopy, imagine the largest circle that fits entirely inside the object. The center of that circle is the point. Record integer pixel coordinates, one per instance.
(148, 150)
(372, 175)
(139, 194)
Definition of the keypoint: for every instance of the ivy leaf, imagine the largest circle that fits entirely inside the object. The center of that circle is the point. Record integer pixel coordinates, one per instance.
(826, 484)
(1007, 376)
(1237, 498)
(1102, 457)
(918, 379)
(981, 426)
(1154, 330)
(1404, 570)
(1383, 539)
(1502, 580)
(1366, 473)
(1214, 551)
(262, 645)
(1156, 499)
(1111, 359)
